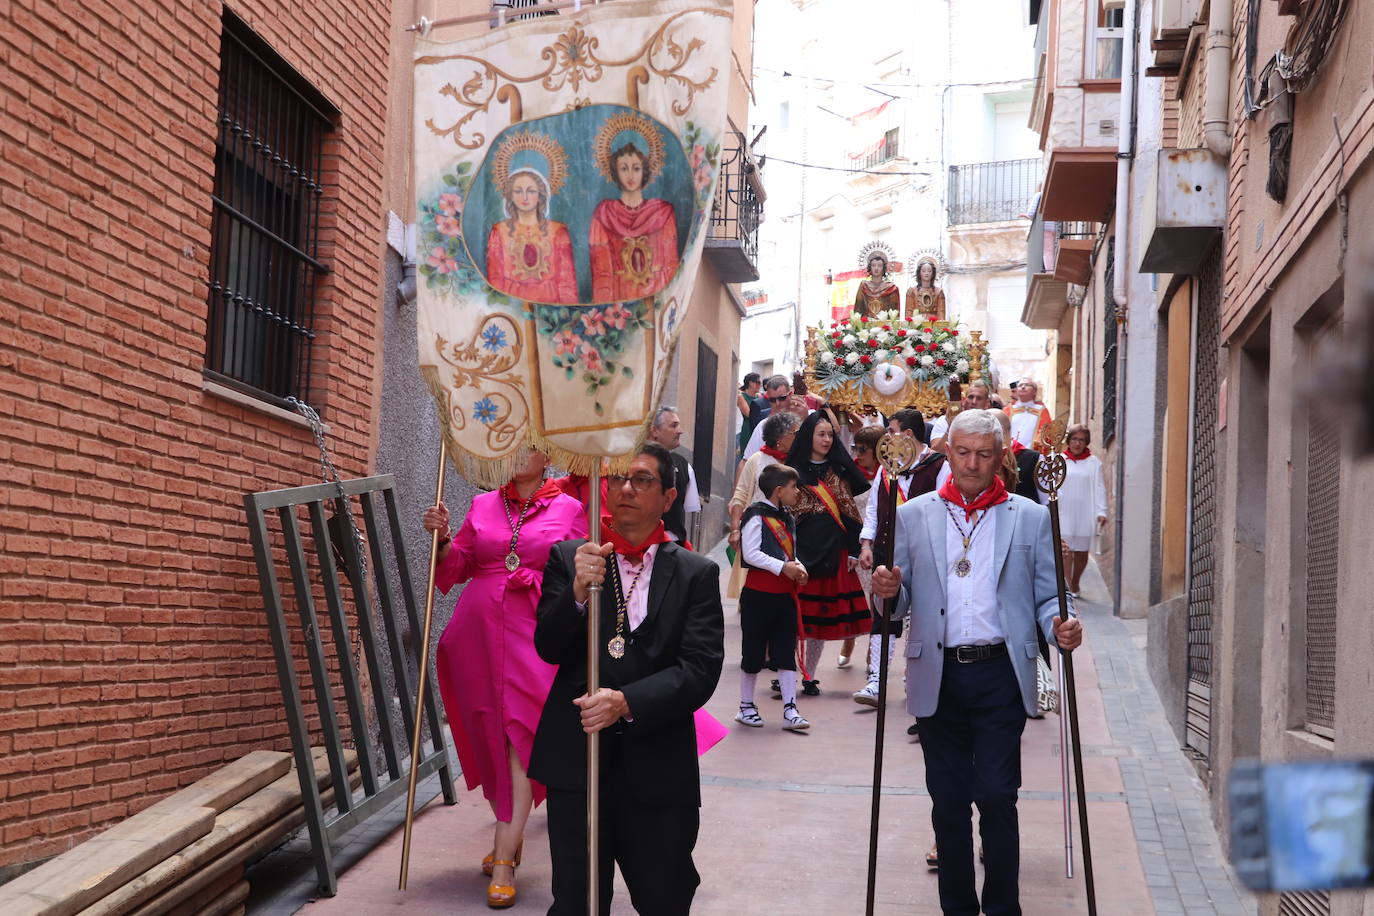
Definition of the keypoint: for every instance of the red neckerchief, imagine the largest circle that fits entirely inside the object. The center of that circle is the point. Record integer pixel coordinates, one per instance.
(997, 493)
(1087, 453)
(1016, 448)
(777, 455)
(547, 490)
(633, 552)
(868, 475)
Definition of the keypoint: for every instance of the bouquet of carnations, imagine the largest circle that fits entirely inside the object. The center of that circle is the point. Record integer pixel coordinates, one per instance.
(885, 351)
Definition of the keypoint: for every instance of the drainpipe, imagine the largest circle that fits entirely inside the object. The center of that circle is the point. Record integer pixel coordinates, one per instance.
(1216, 123)
(1121, 272)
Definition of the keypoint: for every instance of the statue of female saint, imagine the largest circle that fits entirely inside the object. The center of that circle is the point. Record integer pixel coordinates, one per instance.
(633, 239)
(925, 301)
(530, 256)
(876, 293)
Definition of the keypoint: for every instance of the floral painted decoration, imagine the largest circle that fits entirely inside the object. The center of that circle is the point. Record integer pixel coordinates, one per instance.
(592, 339)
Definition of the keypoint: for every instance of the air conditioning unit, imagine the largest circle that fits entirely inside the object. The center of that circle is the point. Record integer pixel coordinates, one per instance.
(1184, 210)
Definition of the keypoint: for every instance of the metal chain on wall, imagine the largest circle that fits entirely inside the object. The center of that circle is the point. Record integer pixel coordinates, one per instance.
(1204, 500)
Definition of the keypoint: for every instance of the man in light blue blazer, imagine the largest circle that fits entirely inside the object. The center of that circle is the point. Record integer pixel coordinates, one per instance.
(974, 570)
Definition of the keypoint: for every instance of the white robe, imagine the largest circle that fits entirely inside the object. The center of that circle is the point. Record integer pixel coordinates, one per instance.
(1081, 500)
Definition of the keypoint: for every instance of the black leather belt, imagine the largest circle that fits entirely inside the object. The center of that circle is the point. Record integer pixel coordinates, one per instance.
(968, 655)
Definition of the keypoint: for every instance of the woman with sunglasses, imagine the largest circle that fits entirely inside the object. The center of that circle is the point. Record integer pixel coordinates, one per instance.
(492, 681)
(832, 602)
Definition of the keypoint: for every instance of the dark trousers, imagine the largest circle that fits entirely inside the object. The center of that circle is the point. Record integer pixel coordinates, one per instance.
(652, 844)
(972, 748)
(768, 630)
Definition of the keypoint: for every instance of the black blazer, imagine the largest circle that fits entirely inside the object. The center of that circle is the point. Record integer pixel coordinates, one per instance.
(671, 665)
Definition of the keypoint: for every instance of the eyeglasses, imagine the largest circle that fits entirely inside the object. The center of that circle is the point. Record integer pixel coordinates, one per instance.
(640, 482)
(778, 399)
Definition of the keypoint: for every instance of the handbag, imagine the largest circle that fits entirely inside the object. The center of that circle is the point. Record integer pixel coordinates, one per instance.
(1046, 691)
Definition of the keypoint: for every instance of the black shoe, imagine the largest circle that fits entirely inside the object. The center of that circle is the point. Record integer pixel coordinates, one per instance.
(914, 729)
(777, 689)
(811, 688)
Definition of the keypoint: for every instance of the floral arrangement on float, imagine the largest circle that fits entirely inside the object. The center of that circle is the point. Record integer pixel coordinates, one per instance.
(890, 363)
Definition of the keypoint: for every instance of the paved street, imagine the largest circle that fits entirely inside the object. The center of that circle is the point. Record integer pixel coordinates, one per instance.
(785, 816)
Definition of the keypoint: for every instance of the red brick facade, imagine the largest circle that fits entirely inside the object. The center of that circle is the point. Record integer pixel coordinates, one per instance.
(133, 655)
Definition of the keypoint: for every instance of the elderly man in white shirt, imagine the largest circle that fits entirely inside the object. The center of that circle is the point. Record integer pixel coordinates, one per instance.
(977, 396)
(974, 570)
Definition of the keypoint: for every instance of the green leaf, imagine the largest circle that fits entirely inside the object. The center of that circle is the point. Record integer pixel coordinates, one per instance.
(627, 372)
(464, 168)
(569, 372)
(599, 409)
(450, 180)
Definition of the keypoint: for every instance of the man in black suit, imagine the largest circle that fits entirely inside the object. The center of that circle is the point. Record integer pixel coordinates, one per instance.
(662, 644)
(666, 430)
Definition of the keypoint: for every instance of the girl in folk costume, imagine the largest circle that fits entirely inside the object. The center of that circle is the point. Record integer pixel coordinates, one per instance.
(876, 293)
(832, 601)
(866, 460)
(1082, 503)
(492, 682)
(768, 602)
(1028, 415)
(529, 256)
(634, 245)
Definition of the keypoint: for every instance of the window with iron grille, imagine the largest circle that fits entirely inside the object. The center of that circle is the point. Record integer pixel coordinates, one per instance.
(264, 234)
(1109, 329)
(885, 151)
(1323, 525)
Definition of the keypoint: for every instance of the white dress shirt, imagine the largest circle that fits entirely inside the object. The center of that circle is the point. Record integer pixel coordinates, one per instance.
(1025, 421)
(939, 427)
(870, 528)
(971, 617)
(637, 602)
(751, 545)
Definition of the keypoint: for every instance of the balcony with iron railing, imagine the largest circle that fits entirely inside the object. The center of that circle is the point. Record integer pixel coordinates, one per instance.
(992, 192)
(1058, 255)
(732, 245)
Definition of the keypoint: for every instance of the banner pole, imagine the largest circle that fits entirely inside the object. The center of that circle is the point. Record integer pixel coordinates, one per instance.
(424, 672)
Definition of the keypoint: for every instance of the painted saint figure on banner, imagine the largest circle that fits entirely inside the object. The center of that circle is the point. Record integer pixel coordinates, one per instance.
(633, 238)
(925, 301)
(530, 256)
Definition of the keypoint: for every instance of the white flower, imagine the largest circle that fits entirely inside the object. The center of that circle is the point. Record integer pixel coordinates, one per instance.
(907, 352)
(947, 346)
(881, 355)
(864, 335)
(849, 340)
(962, 365)
(827, 357)
(927, 360)
(851, 359)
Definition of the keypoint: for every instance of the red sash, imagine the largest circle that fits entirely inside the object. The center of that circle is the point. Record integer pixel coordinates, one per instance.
(888, 481)
(827, 498)
(784, 537)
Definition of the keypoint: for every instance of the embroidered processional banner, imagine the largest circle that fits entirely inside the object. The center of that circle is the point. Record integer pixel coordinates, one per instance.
(565, 172)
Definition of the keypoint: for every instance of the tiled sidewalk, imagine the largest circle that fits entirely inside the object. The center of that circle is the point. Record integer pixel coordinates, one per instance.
(785, 816)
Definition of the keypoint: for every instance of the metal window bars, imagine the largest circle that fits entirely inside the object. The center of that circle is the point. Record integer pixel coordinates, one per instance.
(360, 631)
(992, 192)
(265, 224)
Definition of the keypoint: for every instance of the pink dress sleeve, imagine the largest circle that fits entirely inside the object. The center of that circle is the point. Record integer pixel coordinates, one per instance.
(457, 565)
(564, 271)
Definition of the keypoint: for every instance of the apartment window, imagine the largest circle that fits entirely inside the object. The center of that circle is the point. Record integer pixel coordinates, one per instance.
(1109, 347)
(1108, 35)
(704, 422)
(264, 264)
(784, 115)
(1323, 547)
(884, 151)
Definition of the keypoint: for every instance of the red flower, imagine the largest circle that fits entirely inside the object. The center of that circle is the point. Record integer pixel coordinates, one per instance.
(953, 332)
(873, 343)
(911, 360)
(920, 348)
(887, 327)
(865, 359)
(901, 332)
(939, 362)
(863, 319)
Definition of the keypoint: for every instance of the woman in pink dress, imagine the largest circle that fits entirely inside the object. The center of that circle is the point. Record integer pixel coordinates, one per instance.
(492, 681)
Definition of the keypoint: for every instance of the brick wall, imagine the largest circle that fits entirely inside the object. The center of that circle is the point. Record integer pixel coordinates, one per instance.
(132, 652)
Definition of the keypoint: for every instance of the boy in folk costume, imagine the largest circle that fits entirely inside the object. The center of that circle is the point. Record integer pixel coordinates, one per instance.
(767, 603)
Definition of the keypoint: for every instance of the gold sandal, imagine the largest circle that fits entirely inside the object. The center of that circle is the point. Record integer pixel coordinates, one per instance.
(490, 860)
(501, 896)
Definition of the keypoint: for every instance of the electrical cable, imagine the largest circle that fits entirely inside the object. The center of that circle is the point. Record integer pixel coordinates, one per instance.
(835, 168)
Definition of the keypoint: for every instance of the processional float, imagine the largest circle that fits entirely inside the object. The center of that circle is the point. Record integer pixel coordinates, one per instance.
(552, 281)
(889, 358)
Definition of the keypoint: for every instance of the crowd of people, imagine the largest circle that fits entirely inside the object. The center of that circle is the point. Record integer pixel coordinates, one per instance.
(511, 664)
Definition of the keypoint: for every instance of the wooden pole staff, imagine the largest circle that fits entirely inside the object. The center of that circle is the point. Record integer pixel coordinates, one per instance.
(897, 453)
(1049, 477)
(424, 673)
